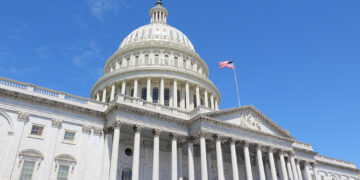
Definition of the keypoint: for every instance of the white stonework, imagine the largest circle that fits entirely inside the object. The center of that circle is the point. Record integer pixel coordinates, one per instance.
(155, 95)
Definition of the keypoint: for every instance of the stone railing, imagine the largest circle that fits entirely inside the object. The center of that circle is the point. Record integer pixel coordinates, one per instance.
(153, 106)
(336, 162)
(47, 93)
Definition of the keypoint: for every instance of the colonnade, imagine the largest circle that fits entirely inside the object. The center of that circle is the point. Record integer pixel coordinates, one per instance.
(168, 92)
(288, 167)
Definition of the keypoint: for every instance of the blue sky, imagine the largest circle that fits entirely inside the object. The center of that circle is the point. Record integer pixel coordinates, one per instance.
(298, 61)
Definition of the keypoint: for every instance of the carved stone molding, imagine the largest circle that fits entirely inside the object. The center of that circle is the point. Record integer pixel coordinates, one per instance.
(116, 124)
(233, 140)
(174, 135)
(217, 137)
(156, 132)
(23, 116)
(98, 131)
(56, 123)
(86, 129)
(202, 134)
(137, 128)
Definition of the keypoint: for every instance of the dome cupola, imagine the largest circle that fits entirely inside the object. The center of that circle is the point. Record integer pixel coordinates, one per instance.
(158, 13)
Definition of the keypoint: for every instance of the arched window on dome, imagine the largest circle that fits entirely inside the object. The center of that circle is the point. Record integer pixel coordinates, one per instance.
(128, 61)
(176, 61)
(166, 59)
(137, 60)
(155, 95)
(171, 34)
(137, 34)
(143, 93)
(156, 59)
(143, 32)
(126, 174)
(184, 63)
(150, 32)
(166, 96)
(147, 59)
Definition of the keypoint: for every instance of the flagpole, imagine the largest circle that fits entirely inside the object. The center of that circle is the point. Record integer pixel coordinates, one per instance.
(237, 87)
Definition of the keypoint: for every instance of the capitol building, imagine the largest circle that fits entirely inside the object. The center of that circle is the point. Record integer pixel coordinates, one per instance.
(154, 115)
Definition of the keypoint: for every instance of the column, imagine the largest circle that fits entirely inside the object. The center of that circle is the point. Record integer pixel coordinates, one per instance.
(307, 169)
(247, 161)
(115, 151)
(180, 162)
(272, 164)
(315, 171)
(136, 88)
(148, 90)
(283, 166)
(204, 173)
(216, 105)
(298, 170)
(136, 155)
(104, 95)
(155, 173)
(260, 163)
(197, 96)
(234, 162)
(293, 166)
(219, 158)
(267, 170)
(112, 94)
(175, 94)
(206, 98)
(191, 165)
(187, 94)
(289, 170)
(174, 175)
(162, 91)
(98, 96)
(123, 87)
(212, 102)
(182, 101)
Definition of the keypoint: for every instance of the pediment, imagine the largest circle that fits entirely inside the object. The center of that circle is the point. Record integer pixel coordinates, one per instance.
(251, 118)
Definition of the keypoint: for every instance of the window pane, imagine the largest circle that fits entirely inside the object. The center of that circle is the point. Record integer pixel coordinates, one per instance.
(27, 170)
(37, 130)
(63, 172)
(69, 136)
(143, 93)
(166, 97)
(126, 174)
(155, 95)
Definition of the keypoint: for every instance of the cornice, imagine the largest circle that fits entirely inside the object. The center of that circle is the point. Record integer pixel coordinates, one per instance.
(202, 118)
(250, 107)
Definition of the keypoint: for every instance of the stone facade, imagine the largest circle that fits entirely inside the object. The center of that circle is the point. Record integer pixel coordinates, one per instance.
(173, 131)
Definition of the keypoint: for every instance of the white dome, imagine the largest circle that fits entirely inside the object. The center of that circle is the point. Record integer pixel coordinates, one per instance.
(157, 32)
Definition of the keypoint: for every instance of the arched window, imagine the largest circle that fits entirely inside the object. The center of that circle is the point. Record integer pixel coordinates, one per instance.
(143, 93)
(126, 174)
(166, 60)
(156, 59)
(147, 59)
(155, 95)
(137, 60)
(175, 61)
(166, 96)
(194, 97)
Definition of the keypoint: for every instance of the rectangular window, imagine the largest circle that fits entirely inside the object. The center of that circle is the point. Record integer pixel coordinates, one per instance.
(27, 170)
(69, 136)
(37, 130)
(63, 172)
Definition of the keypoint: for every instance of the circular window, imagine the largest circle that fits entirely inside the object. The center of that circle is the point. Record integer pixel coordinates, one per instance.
(128, 151)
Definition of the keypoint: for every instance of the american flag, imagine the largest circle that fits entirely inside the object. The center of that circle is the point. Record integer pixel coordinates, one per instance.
(229, 64)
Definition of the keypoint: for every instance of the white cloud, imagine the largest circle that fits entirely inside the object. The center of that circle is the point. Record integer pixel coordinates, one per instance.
(100, 7)
(87, 53)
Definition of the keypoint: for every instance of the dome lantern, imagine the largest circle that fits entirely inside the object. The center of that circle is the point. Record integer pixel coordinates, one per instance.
(158, 13)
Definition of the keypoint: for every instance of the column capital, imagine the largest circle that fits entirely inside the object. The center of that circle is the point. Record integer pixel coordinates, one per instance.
(270, 148)
(233, 140)
(137, 128)
(245, 143)
(156, 132)
(56, 123)
(190, 139)
(116, 124)
(217, 137)
(23, 116)
(258, 146)
(174, 135)
(86, 129)
(202, 134)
